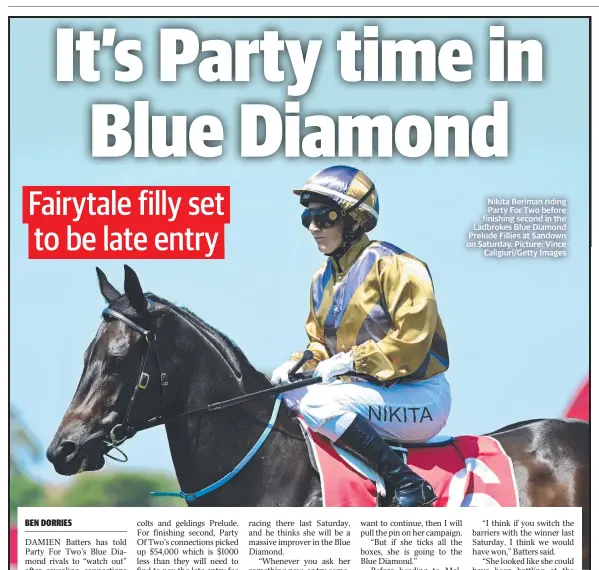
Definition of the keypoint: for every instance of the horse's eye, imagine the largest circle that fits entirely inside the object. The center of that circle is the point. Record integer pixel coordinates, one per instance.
(113, 363)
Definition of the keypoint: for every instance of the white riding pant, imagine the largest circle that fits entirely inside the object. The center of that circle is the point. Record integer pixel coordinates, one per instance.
(411, 412)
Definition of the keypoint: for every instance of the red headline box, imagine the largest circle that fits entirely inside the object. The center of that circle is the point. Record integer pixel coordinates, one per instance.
(126, 222)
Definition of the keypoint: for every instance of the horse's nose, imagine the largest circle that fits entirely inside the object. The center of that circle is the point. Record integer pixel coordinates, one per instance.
(63, 452)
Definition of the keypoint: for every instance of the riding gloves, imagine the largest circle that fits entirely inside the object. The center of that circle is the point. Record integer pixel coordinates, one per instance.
(280, 375)
(328, 369)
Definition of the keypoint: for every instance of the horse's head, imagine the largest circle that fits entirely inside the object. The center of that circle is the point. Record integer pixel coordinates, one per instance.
(118, 363)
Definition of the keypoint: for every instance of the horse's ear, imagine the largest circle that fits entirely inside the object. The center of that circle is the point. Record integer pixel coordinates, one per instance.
(106, 288)
(134, 291)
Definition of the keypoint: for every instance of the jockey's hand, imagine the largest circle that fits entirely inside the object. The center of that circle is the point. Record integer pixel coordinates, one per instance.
(328, 369)
(280, 375)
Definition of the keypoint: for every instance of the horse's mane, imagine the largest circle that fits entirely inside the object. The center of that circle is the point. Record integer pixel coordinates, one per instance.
(234, 353)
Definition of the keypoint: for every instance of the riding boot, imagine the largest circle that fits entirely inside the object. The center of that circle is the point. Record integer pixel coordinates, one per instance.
(410, 490)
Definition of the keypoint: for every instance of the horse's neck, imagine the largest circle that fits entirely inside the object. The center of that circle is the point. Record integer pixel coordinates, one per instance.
(216, 447)
(204, 449)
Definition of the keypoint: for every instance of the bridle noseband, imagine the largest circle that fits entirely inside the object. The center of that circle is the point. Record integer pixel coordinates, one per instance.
(128, 429)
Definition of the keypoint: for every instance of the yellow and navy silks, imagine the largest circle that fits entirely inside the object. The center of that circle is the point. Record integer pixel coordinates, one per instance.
(379, 302)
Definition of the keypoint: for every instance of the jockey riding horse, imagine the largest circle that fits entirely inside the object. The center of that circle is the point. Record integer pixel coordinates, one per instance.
(376, 335)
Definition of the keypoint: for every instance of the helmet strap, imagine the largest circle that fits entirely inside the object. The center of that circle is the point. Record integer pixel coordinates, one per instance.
(349, 234)
(361, 200)
(349, 237)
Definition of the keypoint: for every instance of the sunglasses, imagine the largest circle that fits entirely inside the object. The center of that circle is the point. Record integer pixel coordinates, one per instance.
(323, 218)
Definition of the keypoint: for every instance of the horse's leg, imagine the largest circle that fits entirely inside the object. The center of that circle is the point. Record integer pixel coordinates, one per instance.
(551, 465)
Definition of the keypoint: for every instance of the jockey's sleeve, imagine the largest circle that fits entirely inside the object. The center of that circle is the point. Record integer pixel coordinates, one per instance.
(316, 341)
(410, 300)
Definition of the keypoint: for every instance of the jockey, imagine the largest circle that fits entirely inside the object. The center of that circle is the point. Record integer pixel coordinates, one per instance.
(377, 338)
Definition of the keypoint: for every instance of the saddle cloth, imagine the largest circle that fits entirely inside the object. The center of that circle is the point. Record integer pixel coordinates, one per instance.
(466, 471)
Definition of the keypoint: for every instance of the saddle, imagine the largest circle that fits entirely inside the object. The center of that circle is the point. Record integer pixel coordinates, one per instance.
(465, 471)
(357, 464)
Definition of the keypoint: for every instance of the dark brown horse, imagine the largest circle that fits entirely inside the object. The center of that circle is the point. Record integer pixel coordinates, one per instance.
(152, 359)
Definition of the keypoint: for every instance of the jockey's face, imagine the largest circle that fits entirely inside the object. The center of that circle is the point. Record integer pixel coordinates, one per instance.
(327, 239)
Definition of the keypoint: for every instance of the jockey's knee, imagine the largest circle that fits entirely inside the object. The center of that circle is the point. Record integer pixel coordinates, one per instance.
(324, 416)
(310, 407)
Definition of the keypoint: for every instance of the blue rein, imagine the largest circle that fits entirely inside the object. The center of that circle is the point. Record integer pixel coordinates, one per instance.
(189, 497)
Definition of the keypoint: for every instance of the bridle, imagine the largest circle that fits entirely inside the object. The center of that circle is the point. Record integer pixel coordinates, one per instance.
(128, 430)
(125, 430)
(143, 380)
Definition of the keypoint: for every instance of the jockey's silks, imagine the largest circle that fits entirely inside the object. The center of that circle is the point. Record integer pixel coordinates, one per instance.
(378, 301)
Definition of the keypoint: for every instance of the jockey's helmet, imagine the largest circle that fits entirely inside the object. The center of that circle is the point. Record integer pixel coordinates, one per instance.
(348, 188)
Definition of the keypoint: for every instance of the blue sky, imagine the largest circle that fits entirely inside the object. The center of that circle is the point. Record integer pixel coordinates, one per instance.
(517, 328)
